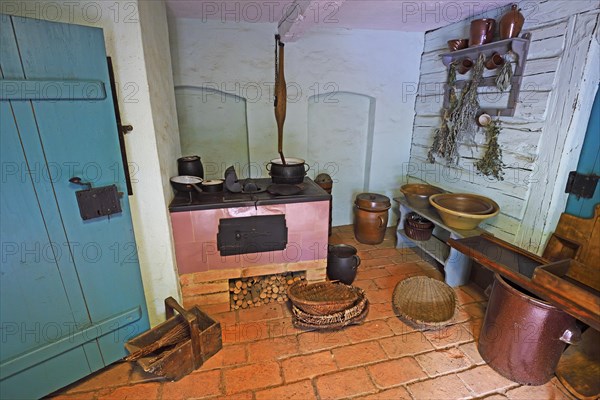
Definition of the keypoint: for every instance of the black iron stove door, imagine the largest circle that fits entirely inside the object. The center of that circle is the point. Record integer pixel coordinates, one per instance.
(251, 234)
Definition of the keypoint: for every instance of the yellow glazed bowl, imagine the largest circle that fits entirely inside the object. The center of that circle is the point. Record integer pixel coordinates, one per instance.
(463, 220)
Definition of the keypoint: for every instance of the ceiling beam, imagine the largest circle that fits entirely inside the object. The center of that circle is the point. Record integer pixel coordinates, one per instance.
(302, 15)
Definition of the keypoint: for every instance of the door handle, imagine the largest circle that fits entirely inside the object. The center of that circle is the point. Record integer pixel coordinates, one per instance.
(77, 181)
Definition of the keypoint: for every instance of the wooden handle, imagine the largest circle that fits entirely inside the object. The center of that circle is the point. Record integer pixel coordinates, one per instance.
(280, 101)
(172, 304)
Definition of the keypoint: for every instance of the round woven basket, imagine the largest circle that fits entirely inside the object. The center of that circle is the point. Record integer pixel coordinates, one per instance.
(353, 315)
(322, 298)
(424, 302)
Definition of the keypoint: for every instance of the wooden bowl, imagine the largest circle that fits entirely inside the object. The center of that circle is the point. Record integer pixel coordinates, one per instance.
(417, 195)
(463, 210)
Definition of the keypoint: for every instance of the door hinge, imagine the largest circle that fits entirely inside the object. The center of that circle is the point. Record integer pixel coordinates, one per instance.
(581, 185)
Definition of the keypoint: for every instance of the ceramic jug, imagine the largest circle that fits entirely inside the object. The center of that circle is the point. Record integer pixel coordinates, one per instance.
(511, 23)
(482, 31)
(342, 263)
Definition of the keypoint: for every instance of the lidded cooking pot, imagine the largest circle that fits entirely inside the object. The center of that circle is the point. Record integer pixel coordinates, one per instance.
(292, 172)
(371, 217)
(190, 166)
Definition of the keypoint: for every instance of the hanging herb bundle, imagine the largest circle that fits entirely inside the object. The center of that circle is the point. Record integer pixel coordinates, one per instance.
(491, 163)
(441, 138)
(505, 75)
(459, 118)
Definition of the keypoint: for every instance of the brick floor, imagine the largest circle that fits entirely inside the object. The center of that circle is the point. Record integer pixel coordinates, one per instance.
(264, 357)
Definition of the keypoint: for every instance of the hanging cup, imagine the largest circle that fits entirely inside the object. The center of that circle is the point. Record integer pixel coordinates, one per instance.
(495, 61)
(464, 66)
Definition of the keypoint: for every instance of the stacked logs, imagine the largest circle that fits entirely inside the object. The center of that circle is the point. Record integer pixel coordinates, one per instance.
(259, 290)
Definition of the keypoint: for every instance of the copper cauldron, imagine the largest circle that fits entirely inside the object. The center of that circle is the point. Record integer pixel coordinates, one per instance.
(522, 337)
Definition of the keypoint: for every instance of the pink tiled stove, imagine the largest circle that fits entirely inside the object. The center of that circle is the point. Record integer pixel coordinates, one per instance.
(204, 272)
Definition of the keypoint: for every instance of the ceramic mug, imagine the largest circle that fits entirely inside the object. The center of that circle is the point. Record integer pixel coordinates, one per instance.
(464, 66)
(495, 61)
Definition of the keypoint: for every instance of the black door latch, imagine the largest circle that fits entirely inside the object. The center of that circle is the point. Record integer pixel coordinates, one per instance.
(581, 185)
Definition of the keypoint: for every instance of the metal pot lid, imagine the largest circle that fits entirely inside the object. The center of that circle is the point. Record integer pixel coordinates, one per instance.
(188, 158)
(288, 161)
(373, 202)
(187, 180)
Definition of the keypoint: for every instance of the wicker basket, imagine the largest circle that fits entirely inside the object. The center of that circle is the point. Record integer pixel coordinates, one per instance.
(424, 302)
(417, 227)
(322, 298)
(358, 319)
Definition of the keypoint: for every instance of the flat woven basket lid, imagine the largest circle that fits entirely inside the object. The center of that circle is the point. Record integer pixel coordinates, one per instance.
(424, 301)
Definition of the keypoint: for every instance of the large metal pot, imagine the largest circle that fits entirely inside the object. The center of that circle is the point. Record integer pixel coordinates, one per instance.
(522, 337)
(292, 171)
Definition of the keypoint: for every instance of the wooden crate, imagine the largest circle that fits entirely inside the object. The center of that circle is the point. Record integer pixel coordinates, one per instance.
(175, 362)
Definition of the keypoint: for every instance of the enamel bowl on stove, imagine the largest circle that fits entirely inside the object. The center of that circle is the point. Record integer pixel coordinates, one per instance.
(464, 210)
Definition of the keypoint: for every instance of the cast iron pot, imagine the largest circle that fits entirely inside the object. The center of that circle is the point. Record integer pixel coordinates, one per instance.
(186, 183)
(292, 172)
(190, 166)
(342, 263)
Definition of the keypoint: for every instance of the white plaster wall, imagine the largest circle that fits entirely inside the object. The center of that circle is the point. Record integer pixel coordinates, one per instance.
(159, 265)
(151, 144)
(238, 58)
(542, 141)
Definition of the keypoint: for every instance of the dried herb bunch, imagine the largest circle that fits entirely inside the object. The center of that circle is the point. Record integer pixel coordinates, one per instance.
(441, 138)
(505, 75)
(491, 163)
(459, 118)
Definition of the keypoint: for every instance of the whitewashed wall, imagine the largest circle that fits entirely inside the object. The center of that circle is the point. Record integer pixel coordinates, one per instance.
(237, 58)
(541, 141)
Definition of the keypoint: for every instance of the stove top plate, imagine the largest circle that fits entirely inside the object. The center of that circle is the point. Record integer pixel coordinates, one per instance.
(207, 201)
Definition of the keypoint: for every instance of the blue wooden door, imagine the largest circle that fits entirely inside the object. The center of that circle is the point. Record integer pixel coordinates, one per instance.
(589, 163)
(71, 291)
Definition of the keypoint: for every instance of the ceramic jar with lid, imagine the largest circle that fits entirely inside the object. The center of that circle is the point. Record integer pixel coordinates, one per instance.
(371, 217)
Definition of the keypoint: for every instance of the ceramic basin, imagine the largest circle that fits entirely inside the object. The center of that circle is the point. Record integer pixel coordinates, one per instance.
(417, 195)
(464, 210)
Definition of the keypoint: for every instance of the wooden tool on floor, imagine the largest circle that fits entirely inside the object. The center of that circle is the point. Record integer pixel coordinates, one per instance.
(173, 358)
(177, 334)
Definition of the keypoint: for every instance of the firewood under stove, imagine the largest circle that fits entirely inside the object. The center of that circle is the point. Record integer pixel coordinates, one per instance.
(260, 290)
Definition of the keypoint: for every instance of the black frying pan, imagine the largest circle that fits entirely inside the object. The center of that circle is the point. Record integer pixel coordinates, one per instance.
(186, 183)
